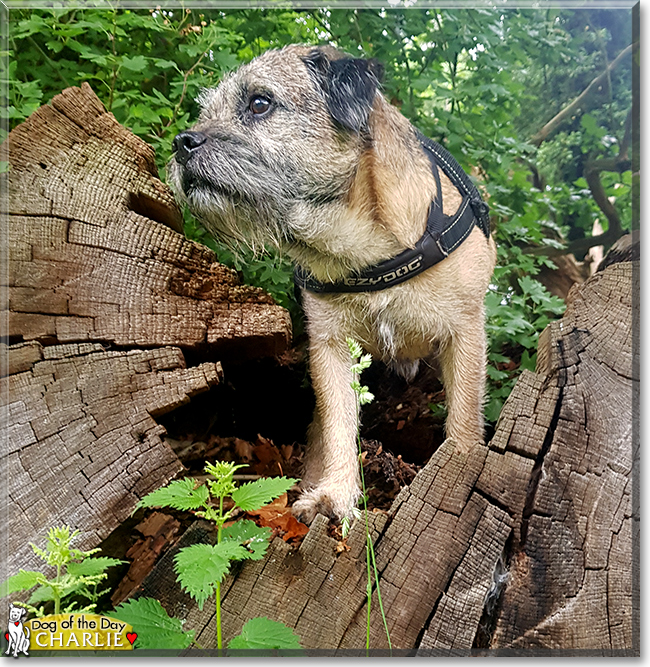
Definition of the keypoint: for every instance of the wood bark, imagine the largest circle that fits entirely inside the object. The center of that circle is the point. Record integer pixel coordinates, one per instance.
(521, 547)
(100, 297)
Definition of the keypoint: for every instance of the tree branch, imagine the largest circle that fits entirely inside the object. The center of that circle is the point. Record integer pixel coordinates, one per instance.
(581, 100)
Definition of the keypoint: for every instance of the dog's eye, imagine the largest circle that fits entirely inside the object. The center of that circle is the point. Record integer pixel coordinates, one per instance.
(259, 105)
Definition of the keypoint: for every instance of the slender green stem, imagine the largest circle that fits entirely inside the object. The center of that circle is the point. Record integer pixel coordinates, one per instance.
(57, 592)
(218, 605)
(370, 551)
(218, 591)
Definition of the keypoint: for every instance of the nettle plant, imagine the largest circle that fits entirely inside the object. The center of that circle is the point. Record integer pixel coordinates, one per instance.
(78, 576)
(201, 568)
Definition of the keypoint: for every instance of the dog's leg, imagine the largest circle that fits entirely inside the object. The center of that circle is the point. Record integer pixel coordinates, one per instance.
(462, 360)
(332, 450)
(313, 464)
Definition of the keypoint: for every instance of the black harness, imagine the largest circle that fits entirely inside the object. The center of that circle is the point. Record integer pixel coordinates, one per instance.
(444, 233)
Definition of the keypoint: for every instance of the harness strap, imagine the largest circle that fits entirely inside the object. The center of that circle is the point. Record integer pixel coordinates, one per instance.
(443, 234)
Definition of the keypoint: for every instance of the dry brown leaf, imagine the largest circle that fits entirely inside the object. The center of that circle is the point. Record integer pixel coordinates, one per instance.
(278, 516)
(244, 449)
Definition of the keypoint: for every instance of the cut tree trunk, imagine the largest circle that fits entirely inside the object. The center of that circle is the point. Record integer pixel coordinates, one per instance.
(522, 546)
(101, 298)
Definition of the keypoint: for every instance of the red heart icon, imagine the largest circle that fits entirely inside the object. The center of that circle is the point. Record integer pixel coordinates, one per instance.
(16, 623)
(7, 636)
(131, 636)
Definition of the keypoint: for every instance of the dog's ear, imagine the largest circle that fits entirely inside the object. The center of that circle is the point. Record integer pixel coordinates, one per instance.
(349, 86)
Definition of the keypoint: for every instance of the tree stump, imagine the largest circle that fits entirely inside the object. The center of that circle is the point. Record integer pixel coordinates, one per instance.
(523, 546)
(101, 298)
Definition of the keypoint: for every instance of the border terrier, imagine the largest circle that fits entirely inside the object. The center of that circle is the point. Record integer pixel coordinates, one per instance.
(299, 149)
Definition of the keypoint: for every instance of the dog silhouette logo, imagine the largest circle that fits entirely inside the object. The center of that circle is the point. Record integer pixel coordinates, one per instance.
(17, 635)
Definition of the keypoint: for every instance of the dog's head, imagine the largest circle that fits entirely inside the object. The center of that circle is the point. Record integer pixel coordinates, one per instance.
(16, 613)
(277, 139)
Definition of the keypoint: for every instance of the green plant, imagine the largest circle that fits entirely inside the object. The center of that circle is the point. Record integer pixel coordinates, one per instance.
(78, 575)
(483, 81)
(202, 567)
(515, 318)
(361, 362)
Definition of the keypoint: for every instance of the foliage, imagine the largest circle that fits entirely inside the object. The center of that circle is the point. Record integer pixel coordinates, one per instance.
(263, 633)
(482, 81)
(156, 629)
(78, 575)
(202, 567)
(359, 363)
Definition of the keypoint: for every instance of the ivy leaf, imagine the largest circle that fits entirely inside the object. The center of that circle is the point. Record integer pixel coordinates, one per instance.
(92, 566)
(262, 632)
(23, 581)
(253, 495)
(253, 538)
(154, 627)
(201, 566)
(180, 495)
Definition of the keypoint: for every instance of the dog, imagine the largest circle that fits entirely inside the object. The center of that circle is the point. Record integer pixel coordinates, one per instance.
(300, 150)
(18, 635)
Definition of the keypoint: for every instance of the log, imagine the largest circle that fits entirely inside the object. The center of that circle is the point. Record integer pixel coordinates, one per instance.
(102, 298)
(525, 546)
(92, 250)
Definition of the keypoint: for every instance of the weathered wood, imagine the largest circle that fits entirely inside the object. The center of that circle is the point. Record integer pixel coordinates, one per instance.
(82, 445)
(94, 264)
(157, 531)
(90, 259)
(545, 510)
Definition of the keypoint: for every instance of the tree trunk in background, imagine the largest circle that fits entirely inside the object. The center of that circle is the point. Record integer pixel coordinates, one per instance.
(524, 545)
(100, 295)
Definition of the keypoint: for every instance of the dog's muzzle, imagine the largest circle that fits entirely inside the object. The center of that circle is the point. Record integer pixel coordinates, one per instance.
(185, 144)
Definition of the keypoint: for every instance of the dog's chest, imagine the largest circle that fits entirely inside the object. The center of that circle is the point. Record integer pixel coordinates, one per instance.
(400, 324)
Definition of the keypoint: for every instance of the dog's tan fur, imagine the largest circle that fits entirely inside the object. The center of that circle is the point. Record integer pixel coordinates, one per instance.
(386, 188)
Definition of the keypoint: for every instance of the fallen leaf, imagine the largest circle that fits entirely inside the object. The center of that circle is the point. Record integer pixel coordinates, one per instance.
(278, 516)
(244, 449)
(268, 455)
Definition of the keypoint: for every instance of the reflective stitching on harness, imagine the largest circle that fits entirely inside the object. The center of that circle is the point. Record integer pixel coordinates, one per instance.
(459, 215)
(462, 238)
(450, 167)
(442, 250)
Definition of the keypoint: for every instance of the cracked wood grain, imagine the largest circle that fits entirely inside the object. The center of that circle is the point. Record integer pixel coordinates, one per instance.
(578, 546)
(96, 263)
(82, 445)
(550, 495)
(95, 253)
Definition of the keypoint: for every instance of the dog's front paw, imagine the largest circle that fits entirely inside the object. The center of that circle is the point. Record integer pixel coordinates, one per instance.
(329, 501)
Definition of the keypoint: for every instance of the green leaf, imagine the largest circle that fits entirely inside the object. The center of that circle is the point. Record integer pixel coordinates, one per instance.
(253, 495)
(42, 594)
(263, 633)
(179, 494)
(134, 64)
(496, 374)
(23, 581)
(154, 627)
(255, 539)
(201, 566)
(92, 566)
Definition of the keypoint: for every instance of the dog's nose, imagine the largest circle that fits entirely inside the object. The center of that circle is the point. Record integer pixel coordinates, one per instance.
(186, 142)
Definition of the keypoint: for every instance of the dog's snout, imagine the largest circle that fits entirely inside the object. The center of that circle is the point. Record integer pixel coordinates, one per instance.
(185, 143)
